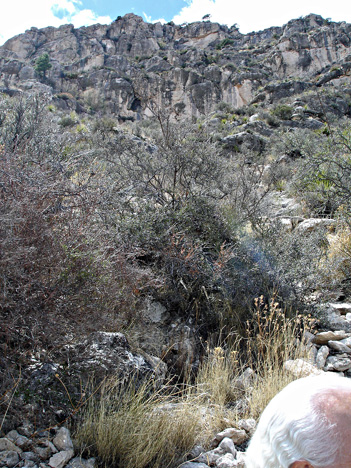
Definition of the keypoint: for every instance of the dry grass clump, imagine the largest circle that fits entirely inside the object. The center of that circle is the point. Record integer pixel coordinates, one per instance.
(339, 253)
(216, 375)
(139, 427)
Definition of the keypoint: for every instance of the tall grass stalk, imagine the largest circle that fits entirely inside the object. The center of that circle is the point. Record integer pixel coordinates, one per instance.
(273, 338)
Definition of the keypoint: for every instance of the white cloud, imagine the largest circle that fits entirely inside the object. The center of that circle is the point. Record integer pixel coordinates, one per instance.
(257, 14)
(147, 17)
(19, 15)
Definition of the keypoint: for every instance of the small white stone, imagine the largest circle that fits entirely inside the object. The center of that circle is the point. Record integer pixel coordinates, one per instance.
(238, 436)
(301, 368)
(227, 461)
(60, 459)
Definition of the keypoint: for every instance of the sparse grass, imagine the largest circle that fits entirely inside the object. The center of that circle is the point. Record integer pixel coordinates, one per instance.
(272, 339)
(216, 375)
(339, 253)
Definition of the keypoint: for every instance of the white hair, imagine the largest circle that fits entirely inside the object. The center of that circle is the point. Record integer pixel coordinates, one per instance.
(293, 428)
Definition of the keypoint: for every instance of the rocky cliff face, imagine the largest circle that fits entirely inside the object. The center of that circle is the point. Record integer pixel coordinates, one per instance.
(115, 68)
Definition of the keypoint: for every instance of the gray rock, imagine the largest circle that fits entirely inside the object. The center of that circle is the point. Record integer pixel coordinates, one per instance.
(79, 462)
(23, 442)
(227, 446)
(26, 429)
(248, 425)
(62, 440)
(27, 464)
(60, 459)
(196, 452)
(6, 444)
(321, 357)
(12, 435)
(323, 337)
(211, 457)
(227, 461)
(248, 140)
(108, 353)
(9, 458)
(337, 363)
(339, 346)
(347, 341)
(34, 457)
(43, 452)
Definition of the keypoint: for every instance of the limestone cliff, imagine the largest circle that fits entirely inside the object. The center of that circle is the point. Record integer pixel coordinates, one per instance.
(114, 68)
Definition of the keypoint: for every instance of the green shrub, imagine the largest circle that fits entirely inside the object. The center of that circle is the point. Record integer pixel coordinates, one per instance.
(283, 112)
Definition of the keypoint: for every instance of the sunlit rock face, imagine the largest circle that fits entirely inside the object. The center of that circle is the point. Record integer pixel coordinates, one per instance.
(116, 68)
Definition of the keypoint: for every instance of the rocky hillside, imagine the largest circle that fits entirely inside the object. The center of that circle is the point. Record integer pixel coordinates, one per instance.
(192, 67)
(175, 217)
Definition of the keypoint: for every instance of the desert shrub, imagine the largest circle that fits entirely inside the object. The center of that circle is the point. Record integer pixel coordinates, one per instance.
(323, 178)
(283, 112)
(224, 43)
(67, 122)
(62, 270)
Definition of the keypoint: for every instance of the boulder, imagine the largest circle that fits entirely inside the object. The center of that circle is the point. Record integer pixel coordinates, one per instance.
(6, 444)
(109, 353)
(337, 363)
(321, 357)
(339, 346)
(301, 368)
(250, 141)
(309, 225)
(323, 337)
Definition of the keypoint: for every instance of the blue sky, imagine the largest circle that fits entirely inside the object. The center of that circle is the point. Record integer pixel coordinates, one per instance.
(254, 15)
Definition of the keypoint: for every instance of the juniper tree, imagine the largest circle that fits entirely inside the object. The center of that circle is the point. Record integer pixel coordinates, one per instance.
(43, 64)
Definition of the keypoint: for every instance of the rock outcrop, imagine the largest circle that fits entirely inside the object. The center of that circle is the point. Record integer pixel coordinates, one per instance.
(116, 68)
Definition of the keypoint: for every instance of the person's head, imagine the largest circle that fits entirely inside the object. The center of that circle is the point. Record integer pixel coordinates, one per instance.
(307, 425)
